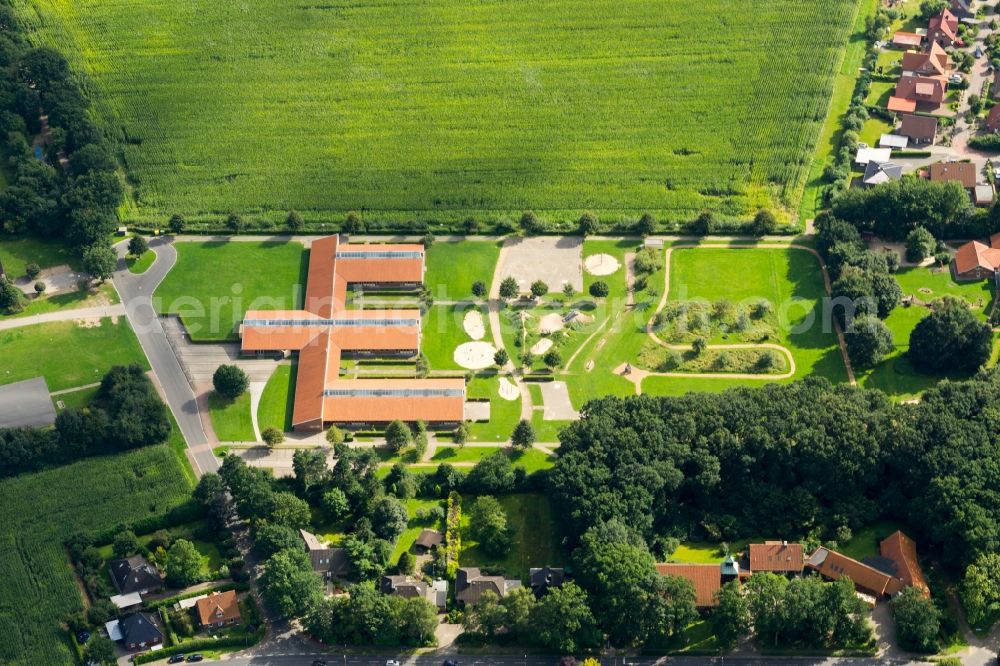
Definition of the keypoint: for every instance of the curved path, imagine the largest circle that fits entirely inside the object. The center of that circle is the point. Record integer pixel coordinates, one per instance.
(494, 307)
(784, 350)
(136, 292)
(64, 315)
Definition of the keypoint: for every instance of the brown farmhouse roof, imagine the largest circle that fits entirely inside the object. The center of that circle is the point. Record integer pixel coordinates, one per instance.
(907, 39)
(326, 328)
(706, 578)
(776, 556)
(919, 88)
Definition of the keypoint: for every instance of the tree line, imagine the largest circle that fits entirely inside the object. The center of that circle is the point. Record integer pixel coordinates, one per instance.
(126, 413)
(807, 460)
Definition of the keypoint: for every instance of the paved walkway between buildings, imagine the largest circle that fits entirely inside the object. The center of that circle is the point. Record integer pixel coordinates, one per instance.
(100, 311)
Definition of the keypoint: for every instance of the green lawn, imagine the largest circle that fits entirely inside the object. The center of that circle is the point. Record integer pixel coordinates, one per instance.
(215, 283)
(16, 253)
(66, 354)
(97, 295)
(278, 399)
(231, 419)
(211, 558)
(452, 268)
(141, 264)
(443, 331)
(546, 431)
(622, 330)
(536, 543)
(415, 526)
(790, 280)
(707, 552)
(864, 543)
(504, 414)
(77, 399)
(446, 109)
(41, 511)
(889, 62)
(873, 130)
(454, 454)
(895, 375)
(880, 93)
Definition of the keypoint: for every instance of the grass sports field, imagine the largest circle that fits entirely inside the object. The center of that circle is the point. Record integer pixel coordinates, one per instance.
(214, 283)
(442, 109)
(42, 511)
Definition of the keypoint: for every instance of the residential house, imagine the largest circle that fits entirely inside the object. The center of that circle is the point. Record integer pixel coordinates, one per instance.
(706, 579)
(926, 92)
(877, 173)
(327, 561)
(932, 62)
(470, 584)
(960, 172)
(217, 610)
(901, 550)
(907, 40)
(868, 580)
(139, 631)
(778, 557)
(134, 574)
(919, 129)
(943, 29)
(976, 260)
(546, 578)
(411, 588)
(427, 541)
(993, 119)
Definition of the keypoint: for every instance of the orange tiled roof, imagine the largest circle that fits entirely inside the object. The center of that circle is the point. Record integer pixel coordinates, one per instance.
(776, 556)
(902, 550)
(907, 39)
(218, 607)
(706, 578)
(974, 255)
(325, 328)
(898, 104)
(833, 565)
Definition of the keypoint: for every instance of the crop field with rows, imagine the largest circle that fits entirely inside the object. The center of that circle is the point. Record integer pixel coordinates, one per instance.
(441, 109)
(41, 511)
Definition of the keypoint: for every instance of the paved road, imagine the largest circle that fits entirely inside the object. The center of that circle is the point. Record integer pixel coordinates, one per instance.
(136, 293)
(305, 658)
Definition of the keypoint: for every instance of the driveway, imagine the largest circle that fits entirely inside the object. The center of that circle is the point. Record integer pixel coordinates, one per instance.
(136, 293)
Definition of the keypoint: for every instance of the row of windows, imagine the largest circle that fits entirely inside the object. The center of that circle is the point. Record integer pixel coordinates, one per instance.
(331, 322)
(394, 393)
(379, 254)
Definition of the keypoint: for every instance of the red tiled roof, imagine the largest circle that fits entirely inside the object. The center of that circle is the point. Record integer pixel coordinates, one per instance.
(919, 88)
(218, 607)
(944, 25)
(833, 565)
(932, 62)
(898, 104)
(975, 255)
(776, 556)
(902, 550)
(332, 266)
(706, 578)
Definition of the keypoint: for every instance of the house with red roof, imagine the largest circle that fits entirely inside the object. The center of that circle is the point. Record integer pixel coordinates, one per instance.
(977, 260)
(943, 29)
(706, 579)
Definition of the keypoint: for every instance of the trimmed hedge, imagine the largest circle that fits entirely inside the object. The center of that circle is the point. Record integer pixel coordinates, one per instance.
(245, 640)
